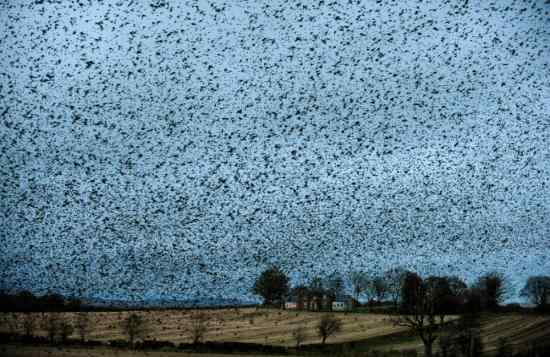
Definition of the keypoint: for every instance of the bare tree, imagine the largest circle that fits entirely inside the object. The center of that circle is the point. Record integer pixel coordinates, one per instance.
(394, 279)
(359, 282)
(447, 345)
(199, 326)
(334, 283)
(458, 286)
(419, 313)
(134, 326)
(316, 292)
(51, 324)
(370, 292)
(443, 295)
(11, 321)
(328, 326)
(493, 289)
(299, 335)
(469, 342)
(66, 329)
(462, 338)
(380, 288)
(537, 290)
(29, 324)
(334, 287)
(300, 293)
(83, 325)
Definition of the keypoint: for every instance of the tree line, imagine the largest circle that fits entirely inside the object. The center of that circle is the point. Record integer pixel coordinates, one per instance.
(58, 328)
(420, 304)
(393, 286)
(26, 301)
(399, 287)
(423, 305)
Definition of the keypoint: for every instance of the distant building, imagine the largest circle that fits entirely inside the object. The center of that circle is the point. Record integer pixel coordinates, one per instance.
(342, 303)
(320, 303)
(302, 299)
(297, 300)
(291, 305)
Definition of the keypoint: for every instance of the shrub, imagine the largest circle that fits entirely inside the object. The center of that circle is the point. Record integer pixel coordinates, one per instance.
(134, 326)
(29, 325)
(51, 324)
(83, 325)
(232, 347)
(119, 343)
(199, 326)
(328, 326)
(154, 345)
(91, 343)
(65, 330)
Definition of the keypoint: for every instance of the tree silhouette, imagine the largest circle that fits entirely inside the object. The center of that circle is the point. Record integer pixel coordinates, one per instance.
(51, 325)
(29, 324)
(272, 285)
(83, 325)
(299, 335)
(66, 329)
(134, 326)
(537, 290)
(419, 309)
(328, 326)
(199, 326)
(493, 290)
(394, 280)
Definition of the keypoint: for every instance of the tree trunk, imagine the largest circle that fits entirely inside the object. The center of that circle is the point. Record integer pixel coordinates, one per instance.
(427, 348)
(472, 344)
(324, 339)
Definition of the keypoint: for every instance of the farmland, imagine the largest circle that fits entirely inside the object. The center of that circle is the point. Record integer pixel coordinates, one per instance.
(250, 325)
(274, 327)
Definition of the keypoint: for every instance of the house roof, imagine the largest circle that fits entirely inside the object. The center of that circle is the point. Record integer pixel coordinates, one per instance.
(292, 298)
(343, 297)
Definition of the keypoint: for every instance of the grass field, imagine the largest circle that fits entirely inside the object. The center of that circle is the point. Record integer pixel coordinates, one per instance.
(274, 327)
(518, 329)
(264, 326)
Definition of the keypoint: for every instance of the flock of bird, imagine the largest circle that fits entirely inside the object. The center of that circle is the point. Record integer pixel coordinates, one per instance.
(174, 149)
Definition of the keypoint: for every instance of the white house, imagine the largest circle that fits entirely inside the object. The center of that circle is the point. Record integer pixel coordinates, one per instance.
(342, 303)
(338, 306)
(291, 305)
